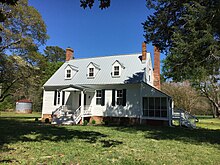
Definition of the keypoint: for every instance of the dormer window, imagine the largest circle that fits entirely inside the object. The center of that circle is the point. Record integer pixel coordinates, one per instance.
(92, 70)
(117, 69)
(70, 71)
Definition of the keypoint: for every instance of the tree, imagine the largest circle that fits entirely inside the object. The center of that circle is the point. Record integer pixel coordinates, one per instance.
(89, 3)
(22, 33)
(189, 33)
(54, 54)
(24, 30)
(184, 96)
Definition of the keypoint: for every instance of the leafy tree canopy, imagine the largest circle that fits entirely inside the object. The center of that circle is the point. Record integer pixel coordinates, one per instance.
(189, 32)
(103, 4)
(24, 30)
(21, 34)
(54, 54)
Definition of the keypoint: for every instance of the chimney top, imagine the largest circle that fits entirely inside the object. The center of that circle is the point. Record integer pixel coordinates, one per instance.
(69, 54)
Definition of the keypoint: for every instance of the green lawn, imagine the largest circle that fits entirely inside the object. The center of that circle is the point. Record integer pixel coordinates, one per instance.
(24, 141)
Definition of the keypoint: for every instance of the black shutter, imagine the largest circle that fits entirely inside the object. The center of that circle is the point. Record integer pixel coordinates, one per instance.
(124, 97)
(63, 97)
(55, 98)
(113, 97)
(103, 97)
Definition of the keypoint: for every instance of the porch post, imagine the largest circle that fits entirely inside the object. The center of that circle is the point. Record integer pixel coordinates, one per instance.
(82, 105)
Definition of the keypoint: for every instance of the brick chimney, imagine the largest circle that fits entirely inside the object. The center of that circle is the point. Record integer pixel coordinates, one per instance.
(156, 68)
(144, 52)
(69, 54)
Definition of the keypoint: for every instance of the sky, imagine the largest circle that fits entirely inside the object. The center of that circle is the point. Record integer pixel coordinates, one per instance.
(95, 32)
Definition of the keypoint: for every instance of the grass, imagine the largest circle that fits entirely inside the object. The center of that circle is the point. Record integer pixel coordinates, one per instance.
(24, 141)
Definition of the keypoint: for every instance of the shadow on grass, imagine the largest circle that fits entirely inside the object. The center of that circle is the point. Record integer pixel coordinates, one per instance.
(14, 129)
(193, 136)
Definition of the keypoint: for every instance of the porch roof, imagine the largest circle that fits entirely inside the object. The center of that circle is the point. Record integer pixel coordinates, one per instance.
(72, 87)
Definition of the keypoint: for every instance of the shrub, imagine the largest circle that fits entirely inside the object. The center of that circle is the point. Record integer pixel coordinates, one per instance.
(85, 122)
(93, 122)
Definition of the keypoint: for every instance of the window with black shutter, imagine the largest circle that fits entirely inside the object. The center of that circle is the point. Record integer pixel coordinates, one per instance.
(98, 97)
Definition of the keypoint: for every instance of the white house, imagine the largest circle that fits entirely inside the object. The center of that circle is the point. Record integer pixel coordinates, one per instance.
(123, 89)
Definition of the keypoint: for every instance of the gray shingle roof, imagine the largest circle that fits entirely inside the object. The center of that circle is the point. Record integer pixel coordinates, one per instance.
(132, 72)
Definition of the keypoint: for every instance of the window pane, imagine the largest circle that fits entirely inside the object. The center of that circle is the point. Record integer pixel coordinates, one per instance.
(157, 113)
(163, 113)
(145, 113)
(119, 101)
(151, 103)
(116, 70)
(98, 101)
(119, 93)
(151, 113)
(98, 97)
(163, 103)
(157, 103)
(91, 72)
(98, 93)
(145, 103)
(68, 73)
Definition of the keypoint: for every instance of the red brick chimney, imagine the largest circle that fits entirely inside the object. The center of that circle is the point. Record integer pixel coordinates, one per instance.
(69, 54)
(156, 67)
(144, 52)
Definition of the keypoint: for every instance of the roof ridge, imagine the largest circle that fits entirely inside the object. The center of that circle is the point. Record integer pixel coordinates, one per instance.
(107, 56)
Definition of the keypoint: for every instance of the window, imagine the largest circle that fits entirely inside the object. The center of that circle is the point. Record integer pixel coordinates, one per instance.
(68, 73)
(116, 70)
(155, 107)
(119, 98)
(91, 72)
(98, 97)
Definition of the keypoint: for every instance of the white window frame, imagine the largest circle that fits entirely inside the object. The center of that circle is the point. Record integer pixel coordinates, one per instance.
(68, 75)
(93, 72)
(99, 97)
(119, 67)
(119, 97)
(70, 72)
(116, 71)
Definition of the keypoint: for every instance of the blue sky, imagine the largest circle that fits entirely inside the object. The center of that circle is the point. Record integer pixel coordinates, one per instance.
(95, 32)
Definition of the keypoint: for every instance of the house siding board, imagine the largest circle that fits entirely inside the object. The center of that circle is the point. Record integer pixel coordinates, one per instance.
(132, 108)
(129, 74)
(48, 102)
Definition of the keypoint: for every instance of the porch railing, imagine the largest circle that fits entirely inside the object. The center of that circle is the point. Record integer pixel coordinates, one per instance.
(87, 110)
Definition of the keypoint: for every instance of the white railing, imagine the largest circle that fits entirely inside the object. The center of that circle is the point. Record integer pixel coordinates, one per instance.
(64, 114)
(77, 115)
(87, 110)
(185, 118)
(57, 111)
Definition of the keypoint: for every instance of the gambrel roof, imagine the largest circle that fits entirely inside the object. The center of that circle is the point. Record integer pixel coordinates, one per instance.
(133, 71)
